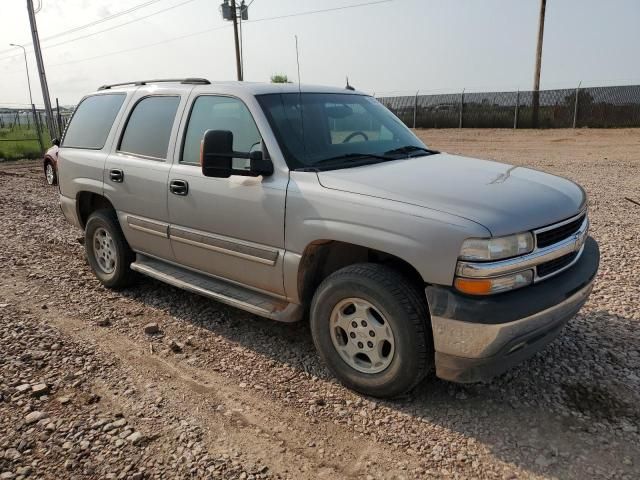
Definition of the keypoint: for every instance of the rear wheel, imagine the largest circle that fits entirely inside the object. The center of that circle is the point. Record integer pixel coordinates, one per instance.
(370, 325)
(50, 174)
(107, 250)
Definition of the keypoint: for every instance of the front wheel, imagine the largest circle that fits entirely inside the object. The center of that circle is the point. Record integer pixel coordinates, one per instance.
(107, 250)
(370, 326)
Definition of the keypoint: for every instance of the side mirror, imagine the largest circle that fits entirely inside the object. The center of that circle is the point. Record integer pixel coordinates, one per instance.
(56, 142)
(217, 154)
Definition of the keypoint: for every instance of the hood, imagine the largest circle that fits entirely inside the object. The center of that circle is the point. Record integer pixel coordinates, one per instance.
(503, 198)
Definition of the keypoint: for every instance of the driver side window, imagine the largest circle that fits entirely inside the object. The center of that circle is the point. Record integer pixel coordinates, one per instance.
(211, 112)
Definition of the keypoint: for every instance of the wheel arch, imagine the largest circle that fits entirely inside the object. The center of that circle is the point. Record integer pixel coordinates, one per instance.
(49, 160)
(88, 202)
(321, 258)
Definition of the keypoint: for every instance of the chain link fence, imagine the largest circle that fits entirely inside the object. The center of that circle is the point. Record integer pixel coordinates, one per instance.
(24, 132)
(595, 107)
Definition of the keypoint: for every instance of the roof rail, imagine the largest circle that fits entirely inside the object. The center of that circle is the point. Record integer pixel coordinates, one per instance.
(192, 81)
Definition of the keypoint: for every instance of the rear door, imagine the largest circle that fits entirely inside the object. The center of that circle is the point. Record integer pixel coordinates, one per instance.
(86, 143)
(136, 172)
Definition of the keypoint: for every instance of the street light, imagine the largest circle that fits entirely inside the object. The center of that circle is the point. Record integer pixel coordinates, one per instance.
(26, 65)
(33, 107)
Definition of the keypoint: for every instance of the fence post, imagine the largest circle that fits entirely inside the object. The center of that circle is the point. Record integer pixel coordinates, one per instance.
(59, 118)
(461, 108)
(515, 115)
(415, 109)
(38, 129)
(575, 107)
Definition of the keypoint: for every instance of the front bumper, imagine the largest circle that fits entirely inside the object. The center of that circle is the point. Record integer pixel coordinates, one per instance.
(477, 338)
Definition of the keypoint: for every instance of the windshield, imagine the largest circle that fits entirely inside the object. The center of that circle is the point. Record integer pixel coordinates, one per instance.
(333, 129)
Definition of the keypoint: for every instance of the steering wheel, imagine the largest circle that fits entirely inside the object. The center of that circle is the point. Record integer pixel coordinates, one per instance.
(354, 134)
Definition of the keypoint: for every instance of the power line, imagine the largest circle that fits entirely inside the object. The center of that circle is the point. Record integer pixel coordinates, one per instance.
(311, 12)
(110, 28)
(208, 30)
(91, 24)
(140, 47)
(102, 20)
(121, 24)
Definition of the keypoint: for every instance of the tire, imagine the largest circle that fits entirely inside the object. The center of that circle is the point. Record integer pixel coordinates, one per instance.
(108, 252)
(50, 174)
(386, 300)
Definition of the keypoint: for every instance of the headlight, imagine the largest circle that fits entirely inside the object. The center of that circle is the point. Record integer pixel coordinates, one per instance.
(496, 248)
(489, 286)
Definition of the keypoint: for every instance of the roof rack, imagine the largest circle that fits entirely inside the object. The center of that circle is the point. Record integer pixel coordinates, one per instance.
(192, 81)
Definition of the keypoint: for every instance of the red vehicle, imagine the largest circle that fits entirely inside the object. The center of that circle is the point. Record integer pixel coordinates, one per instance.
(50, 163)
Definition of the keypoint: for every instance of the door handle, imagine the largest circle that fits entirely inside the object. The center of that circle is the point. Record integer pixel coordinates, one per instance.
(179, 187)
(116, 175)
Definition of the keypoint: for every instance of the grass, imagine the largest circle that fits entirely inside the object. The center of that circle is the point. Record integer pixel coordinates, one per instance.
(21, 142)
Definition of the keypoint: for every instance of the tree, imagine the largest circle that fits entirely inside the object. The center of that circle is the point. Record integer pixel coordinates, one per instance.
(279, 78)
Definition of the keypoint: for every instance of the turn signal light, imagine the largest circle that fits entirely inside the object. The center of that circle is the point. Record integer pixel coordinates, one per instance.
(489, 286)
(474, 286)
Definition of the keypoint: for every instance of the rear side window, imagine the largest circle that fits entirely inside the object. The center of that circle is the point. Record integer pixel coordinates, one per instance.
(149, 127)
(92, 121)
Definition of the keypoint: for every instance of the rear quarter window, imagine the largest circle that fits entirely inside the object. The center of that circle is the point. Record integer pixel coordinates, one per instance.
(92, 121)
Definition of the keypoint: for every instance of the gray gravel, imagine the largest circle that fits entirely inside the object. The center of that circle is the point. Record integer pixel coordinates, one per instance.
(154, 382)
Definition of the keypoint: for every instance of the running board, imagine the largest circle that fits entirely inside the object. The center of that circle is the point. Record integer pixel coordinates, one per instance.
(220, 290)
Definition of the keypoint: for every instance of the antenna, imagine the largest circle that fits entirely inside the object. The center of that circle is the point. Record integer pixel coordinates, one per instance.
(349, 87)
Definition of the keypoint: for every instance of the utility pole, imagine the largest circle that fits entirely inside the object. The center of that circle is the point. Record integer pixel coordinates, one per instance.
(535, 103)
(243, 16)
(234, 18)
(230, 12)
(40, 63)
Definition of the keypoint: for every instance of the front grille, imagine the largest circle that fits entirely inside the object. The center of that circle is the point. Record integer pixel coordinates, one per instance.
(547, 268)
(555, 235)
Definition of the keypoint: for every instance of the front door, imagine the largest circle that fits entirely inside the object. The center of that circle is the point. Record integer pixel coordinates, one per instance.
(231, 228)
(136, 173)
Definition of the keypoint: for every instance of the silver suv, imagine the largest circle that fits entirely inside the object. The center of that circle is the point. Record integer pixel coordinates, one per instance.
(295, 201)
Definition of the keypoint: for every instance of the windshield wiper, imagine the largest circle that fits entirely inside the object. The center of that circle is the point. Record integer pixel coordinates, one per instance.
(351, 158)
(408, 149)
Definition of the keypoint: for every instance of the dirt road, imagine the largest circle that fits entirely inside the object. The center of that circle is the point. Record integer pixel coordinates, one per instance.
(86, 393)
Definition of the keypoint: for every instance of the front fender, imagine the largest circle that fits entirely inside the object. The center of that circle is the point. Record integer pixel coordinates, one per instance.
(429, 240)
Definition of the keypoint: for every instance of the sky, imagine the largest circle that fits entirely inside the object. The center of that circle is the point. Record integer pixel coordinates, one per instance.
(391, 47)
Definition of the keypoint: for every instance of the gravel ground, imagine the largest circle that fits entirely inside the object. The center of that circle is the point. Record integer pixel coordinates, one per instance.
(212, 392)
